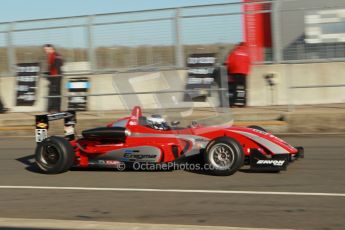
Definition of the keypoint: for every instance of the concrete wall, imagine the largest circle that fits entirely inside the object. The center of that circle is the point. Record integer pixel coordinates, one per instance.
(298, 75)
(141, 82)
(259, 94)
(114, 83)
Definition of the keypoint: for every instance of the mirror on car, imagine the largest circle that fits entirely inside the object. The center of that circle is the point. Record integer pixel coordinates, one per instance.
(194, 123)
(175, 123)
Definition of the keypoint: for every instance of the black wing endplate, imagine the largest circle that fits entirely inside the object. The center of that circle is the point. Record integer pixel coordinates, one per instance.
(42, 124)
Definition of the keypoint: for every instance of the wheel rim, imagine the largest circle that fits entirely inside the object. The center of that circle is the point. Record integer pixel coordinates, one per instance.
(50, 155)
(222, 156)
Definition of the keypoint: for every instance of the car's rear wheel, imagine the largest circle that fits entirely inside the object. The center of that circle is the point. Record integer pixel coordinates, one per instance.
(223, 156)
(54, 155)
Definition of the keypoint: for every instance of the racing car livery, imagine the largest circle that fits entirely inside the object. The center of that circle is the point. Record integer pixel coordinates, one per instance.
(140, 139)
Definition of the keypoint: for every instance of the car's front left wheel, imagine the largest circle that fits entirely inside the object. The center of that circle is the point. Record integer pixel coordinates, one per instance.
(224, 156)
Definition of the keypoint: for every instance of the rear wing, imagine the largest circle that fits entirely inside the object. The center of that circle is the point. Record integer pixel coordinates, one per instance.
(42, 124)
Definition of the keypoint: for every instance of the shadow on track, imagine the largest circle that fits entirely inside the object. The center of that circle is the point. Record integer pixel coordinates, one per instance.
(29, 162)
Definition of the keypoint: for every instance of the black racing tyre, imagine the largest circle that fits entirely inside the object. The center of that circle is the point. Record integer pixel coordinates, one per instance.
(257, 128)
(54, 155)
(223, 156)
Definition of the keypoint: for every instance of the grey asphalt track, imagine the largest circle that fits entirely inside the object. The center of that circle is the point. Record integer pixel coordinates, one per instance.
(322, 171)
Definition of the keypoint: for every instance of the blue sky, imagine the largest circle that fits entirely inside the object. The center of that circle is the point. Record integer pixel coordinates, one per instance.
(14, 10)
(225, 29)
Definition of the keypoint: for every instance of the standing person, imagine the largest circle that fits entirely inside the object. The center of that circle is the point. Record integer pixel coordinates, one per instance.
(55, 63)
(238, 66)
(2, 108)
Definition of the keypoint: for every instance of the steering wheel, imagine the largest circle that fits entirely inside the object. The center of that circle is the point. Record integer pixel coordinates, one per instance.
(194, 124)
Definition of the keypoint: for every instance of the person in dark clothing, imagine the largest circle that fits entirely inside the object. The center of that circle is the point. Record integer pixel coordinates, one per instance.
(2, 108)
(55, 63)
(238, 67)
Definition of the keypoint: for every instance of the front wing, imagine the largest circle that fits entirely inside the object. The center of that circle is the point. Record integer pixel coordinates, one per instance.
(277, 162)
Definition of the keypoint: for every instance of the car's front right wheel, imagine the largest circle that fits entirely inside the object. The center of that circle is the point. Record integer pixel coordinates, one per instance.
(223, 156)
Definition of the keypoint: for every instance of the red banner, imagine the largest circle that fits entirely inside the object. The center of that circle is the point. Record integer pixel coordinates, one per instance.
(257, 28)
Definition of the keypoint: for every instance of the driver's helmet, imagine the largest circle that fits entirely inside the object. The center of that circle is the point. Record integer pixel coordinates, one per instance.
(157, 122)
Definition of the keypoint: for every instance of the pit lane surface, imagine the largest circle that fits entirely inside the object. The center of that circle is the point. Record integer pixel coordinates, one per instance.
(322, 171)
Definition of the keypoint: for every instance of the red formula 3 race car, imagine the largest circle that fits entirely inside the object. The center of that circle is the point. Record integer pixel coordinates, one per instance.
(137, 139)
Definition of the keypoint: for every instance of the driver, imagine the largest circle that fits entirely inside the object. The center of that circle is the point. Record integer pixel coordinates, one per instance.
(157, 122)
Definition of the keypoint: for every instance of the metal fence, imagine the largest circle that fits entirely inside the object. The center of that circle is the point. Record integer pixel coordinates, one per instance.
(164, 38)
(160, 38)
(308, 31)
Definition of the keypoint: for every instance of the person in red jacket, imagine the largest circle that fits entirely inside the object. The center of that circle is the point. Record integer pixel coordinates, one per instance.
(55, 63)
(238, 67)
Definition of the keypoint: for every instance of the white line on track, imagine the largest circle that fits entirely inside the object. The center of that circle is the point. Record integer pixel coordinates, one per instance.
(175, 191)
(76, 225)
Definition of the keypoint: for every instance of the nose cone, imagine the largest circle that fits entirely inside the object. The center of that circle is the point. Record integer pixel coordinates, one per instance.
(265, 139)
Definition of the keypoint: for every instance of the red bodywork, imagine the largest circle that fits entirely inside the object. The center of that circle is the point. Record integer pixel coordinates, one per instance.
(158, 146)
